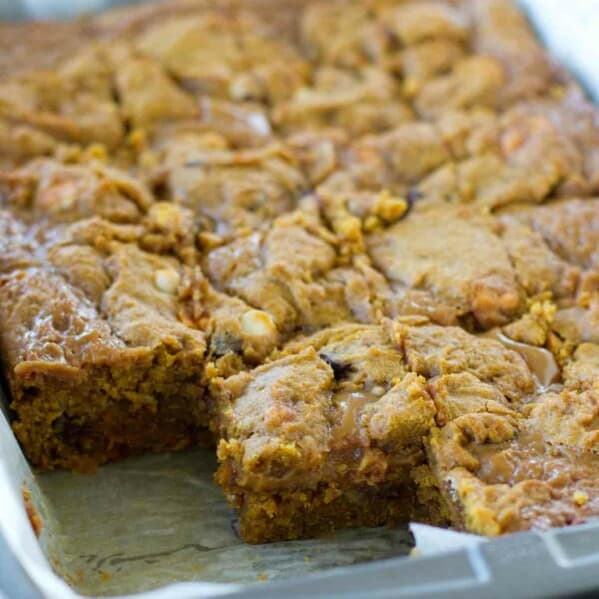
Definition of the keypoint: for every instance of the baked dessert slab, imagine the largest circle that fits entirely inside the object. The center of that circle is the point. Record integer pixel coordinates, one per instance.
(328, 435)
(505, 471)
(99, 365)
(353, 243)
(332, 433)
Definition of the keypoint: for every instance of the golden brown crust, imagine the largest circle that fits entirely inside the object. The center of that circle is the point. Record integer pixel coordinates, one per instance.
(302, 227)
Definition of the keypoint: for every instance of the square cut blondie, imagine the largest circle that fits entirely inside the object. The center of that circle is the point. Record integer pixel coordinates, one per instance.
(353, 243)
(504, 471)
(99, 365)
(330, 434)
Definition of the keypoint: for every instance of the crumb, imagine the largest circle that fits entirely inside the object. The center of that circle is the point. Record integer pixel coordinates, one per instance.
(34, 518)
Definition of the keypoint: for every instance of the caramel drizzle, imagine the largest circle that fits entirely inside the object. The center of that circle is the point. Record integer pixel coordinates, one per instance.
(541, 361)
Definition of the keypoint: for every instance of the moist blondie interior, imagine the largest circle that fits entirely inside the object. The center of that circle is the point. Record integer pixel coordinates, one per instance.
(330, 434)
(352, 244)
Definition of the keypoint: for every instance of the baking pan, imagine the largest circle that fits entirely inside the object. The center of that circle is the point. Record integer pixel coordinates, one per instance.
(373, 563)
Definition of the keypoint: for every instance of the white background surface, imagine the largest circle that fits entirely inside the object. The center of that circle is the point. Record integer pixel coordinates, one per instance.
(570, 29)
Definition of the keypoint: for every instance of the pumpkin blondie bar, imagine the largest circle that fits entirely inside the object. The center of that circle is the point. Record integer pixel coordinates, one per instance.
(353, 242)
(328, 435)
(97, 361)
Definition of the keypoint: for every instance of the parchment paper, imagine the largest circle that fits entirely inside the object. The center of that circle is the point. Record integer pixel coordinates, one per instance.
(147, 521)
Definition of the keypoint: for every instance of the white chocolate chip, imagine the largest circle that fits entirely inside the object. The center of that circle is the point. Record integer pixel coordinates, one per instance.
(378, 390)
(257, 322)
(259, 123)
(167, 280)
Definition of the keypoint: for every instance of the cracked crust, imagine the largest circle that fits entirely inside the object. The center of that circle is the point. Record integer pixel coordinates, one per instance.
(355, 240)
